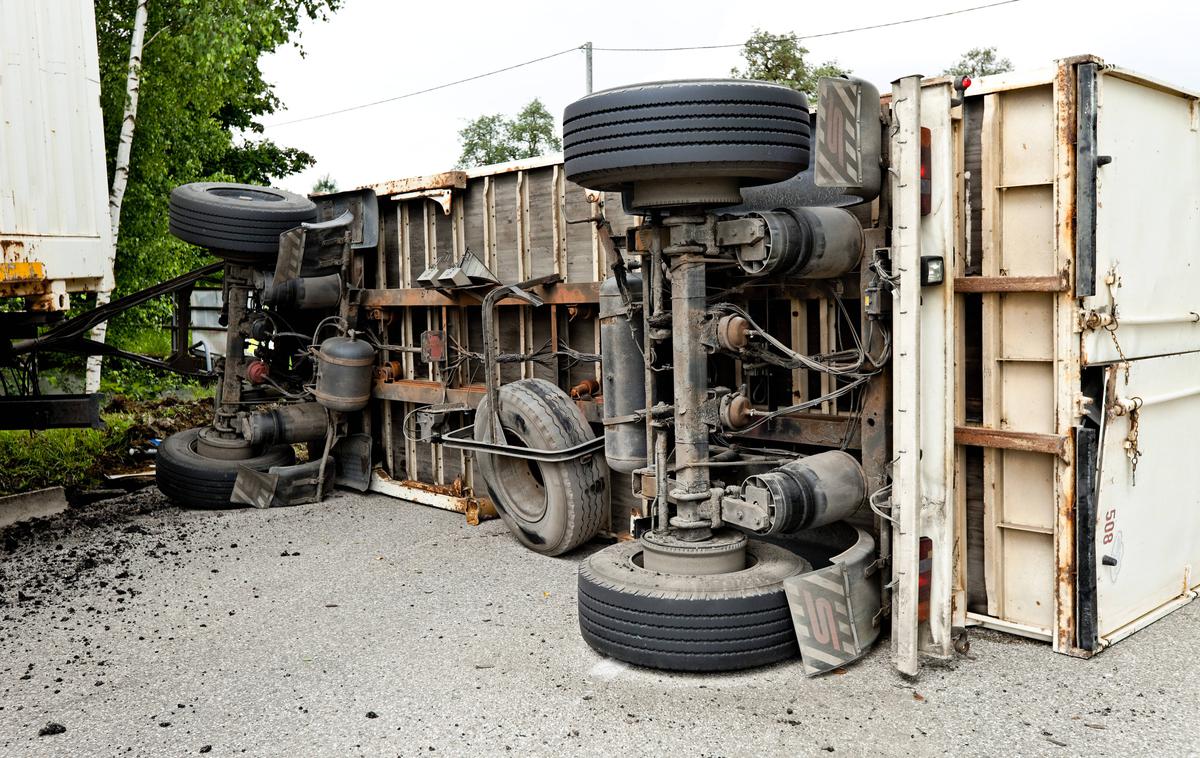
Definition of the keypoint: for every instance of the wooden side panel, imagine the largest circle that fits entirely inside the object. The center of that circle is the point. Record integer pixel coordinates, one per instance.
(1019, 237)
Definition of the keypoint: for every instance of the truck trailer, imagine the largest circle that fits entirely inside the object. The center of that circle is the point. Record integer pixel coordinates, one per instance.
(923, 360)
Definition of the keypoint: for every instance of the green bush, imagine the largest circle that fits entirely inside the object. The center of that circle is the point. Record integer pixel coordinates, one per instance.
(63, 457)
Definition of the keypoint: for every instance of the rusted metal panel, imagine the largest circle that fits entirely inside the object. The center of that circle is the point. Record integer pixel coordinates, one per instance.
(443, 180)
(26, 271)
(1004, 439)
(809, 429)
(556, 294)
(1068, 410)
(425, 392)
(1060, 283)
(452, 497)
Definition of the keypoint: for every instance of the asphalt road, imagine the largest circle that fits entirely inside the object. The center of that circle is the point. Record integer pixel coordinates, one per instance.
(368, 626)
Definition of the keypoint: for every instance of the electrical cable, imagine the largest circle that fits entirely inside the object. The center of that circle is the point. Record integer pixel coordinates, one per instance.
(406, 95)
(484, 75)
(807, 36)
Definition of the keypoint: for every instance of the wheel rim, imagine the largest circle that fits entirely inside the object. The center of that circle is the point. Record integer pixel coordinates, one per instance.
(724, 553)
(524, 481)
(247, 194)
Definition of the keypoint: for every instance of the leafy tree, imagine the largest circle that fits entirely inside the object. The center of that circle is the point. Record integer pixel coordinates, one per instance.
(496, 139)
(979, 61)
(324, 185)
(202, 97)
(780, 58)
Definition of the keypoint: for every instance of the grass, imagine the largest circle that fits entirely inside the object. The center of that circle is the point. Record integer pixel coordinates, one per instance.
(71, 458)
(142, 404)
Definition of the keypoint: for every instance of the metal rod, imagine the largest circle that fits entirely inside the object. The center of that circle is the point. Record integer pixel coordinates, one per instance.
(454, 442)
(1191, 317)
(690, 375)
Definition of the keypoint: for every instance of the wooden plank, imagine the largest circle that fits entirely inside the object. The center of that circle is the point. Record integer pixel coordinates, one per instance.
(1059, 283)
(1006, 439)
(991, 238)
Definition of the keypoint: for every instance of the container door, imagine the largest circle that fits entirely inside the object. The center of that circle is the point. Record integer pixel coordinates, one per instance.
(1138, 210)
(1139, 182)
(1146, 529)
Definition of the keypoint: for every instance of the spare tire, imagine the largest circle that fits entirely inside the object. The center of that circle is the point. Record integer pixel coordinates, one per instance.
(550, 507)
(236, 221)
(191, 479)
(713, 622)
(753, 131)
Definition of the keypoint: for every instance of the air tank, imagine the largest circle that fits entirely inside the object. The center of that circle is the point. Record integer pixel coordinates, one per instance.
(624, 377)
(344, 373)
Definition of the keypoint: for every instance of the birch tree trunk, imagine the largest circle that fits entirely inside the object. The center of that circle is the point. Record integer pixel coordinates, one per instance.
(120, 179)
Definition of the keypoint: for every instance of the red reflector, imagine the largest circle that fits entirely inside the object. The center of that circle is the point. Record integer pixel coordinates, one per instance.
(924, 578)
(926, 181)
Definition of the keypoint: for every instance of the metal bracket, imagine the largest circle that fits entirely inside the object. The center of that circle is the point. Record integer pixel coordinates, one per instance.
(453, 441)
(491, 362)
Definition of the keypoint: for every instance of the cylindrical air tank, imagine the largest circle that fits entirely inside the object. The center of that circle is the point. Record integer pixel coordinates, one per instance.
(344, 373)
(624, 378)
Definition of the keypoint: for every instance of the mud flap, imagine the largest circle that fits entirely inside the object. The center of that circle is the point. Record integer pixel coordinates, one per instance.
(835, 610)
(282, 485)
(353, 455)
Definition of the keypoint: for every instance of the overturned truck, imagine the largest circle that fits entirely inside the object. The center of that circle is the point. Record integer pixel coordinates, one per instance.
(905, 362)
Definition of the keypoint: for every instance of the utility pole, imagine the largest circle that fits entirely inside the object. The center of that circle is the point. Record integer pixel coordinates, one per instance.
(587, 57)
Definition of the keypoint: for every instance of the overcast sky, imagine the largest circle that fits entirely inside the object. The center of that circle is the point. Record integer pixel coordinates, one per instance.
(375, 49)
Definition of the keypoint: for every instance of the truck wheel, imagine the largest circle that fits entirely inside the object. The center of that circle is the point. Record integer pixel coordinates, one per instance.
(752, 131)
(717, 622)
(194, 480)
(240, 222)
(549, 507)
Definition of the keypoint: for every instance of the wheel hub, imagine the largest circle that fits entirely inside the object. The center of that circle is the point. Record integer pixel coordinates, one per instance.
(222, 446)
(665, 553)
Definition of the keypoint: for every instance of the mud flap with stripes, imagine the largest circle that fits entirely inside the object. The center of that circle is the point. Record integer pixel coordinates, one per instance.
(847, 148)
(835, 625)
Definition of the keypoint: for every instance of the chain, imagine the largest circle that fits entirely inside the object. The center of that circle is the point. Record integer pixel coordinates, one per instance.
(1131, 440)
(1111, 327)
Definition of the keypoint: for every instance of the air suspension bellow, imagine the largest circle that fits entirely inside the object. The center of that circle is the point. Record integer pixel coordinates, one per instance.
(299, 422)
(805, 243)
(806, 493)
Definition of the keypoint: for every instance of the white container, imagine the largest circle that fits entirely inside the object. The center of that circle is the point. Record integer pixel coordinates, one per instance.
(1055, 374)
(54, 224)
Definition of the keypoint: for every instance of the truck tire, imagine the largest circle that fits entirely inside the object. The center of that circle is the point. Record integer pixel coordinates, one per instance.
(194, 480)
(240, 222)
(550, 508)
(754, 131)
(718, 622)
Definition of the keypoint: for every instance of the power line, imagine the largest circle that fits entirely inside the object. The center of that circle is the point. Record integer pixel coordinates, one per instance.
(807, 36)
(486, 74)
(424, 91)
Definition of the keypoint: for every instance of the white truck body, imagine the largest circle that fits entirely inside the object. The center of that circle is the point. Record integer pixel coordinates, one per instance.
(1062, 349)
(54, 222)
